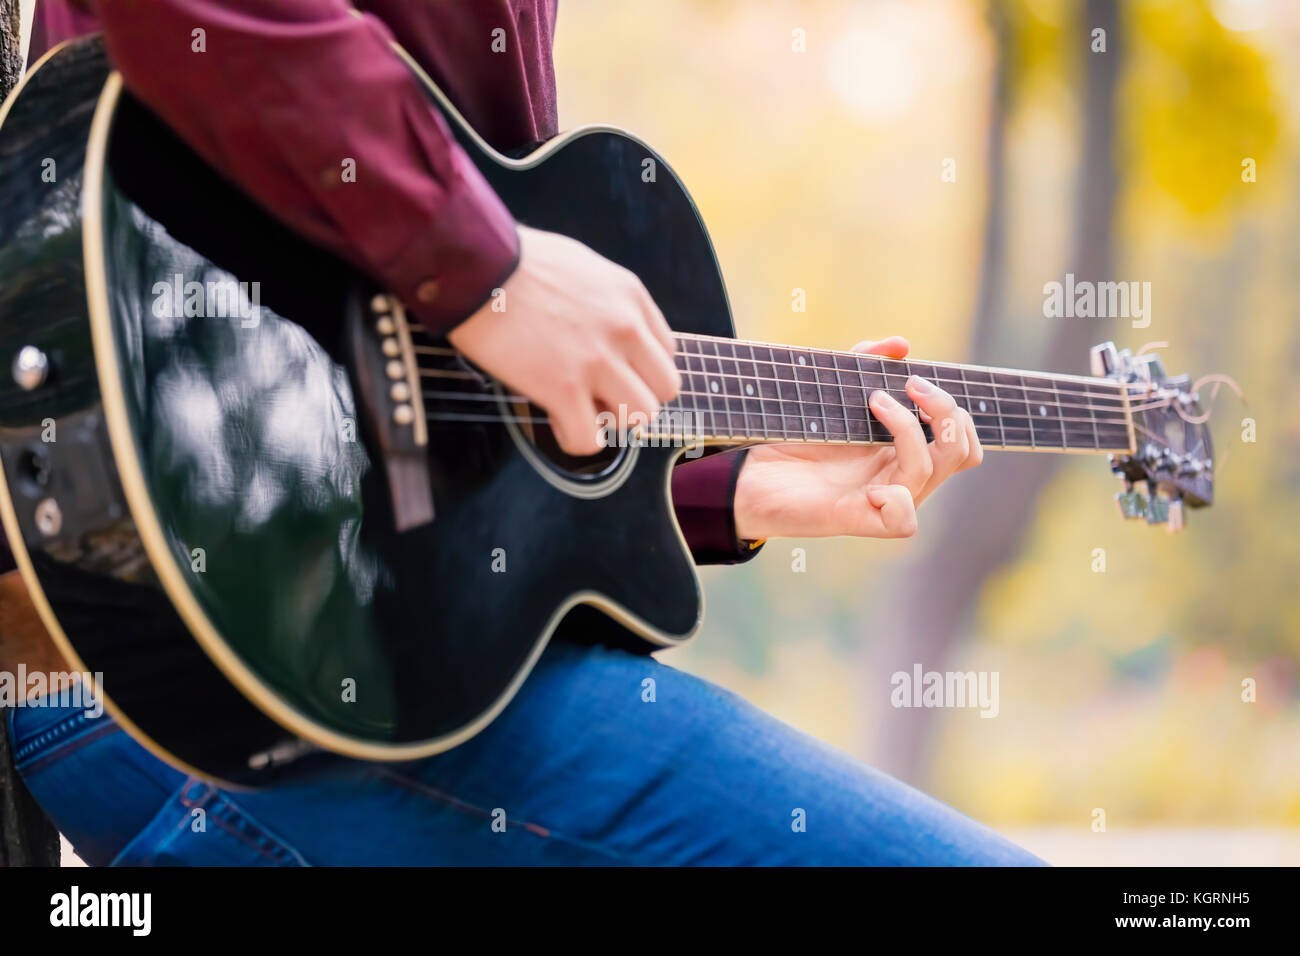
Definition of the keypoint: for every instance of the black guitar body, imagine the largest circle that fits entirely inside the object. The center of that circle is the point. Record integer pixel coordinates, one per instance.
(200, 505)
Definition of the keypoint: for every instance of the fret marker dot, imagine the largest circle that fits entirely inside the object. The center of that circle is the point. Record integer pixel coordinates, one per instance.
(983, 407)
(802, 360)
(812, 425)
(749, 389)
(1042, 411)
(713, 385)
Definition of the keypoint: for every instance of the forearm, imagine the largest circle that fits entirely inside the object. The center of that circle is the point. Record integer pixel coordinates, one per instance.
(305, 105)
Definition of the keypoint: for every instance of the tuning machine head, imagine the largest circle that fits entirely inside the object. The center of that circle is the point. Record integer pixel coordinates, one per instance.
(1171, 454)
(1106, 361)
(1157, 507)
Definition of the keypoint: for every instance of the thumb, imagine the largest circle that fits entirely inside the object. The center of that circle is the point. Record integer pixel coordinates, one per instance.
(896, 507)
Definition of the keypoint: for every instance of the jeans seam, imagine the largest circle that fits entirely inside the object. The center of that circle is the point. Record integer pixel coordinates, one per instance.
(222, 809)
(57, 741)
(470, 809)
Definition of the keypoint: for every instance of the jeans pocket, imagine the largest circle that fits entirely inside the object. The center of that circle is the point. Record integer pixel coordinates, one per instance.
(203, 826)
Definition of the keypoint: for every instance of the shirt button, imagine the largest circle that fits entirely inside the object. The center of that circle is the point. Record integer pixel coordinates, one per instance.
(427, 291)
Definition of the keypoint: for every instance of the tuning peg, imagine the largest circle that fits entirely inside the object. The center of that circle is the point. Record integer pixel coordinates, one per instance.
(1157, 509)
(1166, 510)
(1132, 503)
(1103, 359)
(1155, 367)
(1175, 523)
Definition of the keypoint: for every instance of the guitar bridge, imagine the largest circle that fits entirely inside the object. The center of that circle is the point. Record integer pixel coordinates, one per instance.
(387, 393)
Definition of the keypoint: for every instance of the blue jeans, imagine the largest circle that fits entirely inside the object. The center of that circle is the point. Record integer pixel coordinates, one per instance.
(579, 769)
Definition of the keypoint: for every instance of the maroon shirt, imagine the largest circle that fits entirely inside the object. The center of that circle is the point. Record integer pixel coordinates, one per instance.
(285, 90)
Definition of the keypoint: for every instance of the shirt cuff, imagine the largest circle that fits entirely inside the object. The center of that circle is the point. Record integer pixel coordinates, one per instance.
(704, 493)
(460, 259)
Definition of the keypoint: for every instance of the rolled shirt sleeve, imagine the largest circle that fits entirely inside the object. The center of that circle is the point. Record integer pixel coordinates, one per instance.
(704, 492)
(304, 104)
(306, 107)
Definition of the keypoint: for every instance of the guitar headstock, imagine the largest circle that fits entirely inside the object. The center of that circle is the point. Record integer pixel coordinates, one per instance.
(1173, 455)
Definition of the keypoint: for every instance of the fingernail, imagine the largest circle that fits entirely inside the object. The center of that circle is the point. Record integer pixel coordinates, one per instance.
(920, 384)
(881, 397)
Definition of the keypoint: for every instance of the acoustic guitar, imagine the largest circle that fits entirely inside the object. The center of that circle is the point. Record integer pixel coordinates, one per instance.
(280, 523)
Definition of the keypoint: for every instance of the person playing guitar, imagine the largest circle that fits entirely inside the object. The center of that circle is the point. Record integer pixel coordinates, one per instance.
(580, 767)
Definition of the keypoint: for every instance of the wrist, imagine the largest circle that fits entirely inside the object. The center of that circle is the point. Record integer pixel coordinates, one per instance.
(751, 528)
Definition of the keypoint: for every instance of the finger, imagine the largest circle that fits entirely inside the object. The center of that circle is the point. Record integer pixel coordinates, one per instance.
(655, 367)
(975, 455)
(895, 510)
(622, 391)
(951, 442)
(574, 421)
(893, 347)
(911, 453)
(655, 320)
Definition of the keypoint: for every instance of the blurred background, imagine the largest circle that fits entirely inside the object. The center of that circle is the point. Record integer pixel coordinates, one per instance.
(822, 169)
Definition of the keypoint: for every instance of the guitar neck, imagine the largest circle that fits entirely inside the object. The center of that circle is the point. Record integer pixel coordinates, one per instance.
(739, 391)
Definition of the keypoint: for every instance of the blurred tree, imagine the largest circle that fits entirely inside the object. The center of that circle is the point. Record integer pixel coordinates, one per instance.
(11, 55)
(26, 836)
(989, 510)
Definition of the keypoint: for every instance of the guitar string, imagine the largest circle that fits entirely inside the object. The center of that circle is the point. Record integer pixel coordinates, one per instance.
(494, 396)
(821, 437)
(872, 388)
(971, 400)
(449, 373)
(839, 384)
(667, 412)
(1054, 388)
(991, 435)
(1007, 421)
(1038, 376)
(1042, 376)
(994, 440)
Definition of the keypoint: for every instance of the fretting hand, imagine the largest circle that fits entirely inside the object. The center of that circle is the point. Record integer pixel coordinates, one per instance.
(816, 490)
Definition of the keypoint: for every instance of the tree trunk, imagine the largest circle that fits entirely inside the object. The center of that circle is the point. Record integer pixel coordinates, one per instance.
(11, 47)
(27, 837)
(975, 526)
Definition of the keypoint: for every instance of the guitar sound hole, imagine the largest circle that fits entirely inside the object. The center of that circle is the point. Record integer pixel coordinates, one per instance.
(542, 437)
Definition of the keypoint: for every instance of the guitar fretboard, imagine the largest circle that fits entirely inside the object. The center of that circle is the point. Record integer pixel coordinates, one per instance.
(750, 391)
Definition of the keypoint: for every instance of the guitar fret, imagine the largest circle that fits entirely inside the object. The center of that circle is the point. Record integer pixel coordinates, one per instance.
(856, 421)
(746, 393)
(1029, 412)
(985, 409)
(1060, 417)
(716, 390)
(705, 386)
(769, 390)
(871, 371)
(729, 378)
(788, 395)
(1014, 412)
(1092, 412)
(931, 374)
(693, 381)
(836, 425)
(747, 376)
(1043, 404)
(805, 375)
(844, 401)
